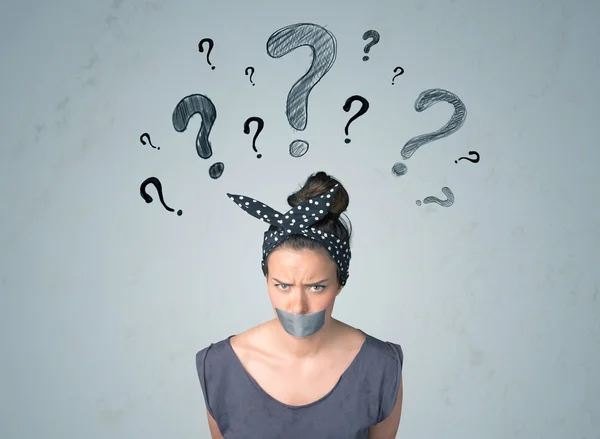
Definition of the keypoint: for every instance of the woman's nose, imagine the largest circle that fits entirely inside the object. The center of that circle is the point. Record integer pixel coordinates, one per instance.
(298, 303)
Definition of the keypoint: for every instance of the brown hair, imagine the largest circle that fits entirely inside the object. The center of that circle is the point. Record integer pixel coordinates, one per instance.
(319, 184)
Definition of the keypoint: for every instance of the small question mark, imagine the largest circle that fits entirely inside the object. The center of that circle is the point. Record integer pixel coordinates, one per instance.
(156, 183)
(251, 73)
(211, 44)
(475, 160)
(395, 70)
(324, 48)
(145, 137)
(425, 100)
(363, 109)
(449, 201)
(374, 35)
(261, 125)
(202, 105)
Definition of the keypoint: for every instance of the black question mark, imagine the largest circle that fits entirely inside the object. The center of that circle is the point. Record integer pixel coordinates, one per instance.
(467, 158)
(211, 44)
(261, 125)
(395, 70)
(251, 73)
(374, 35)
(425, 100)
(148, 199)
(363, 109)
(183, 112)
(145, 137)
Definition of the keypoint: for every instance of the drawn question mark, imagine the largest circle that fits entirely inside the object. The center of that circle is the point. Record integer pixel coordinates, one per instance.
(146, 137)
(298, 148)
(260, 125)
(374, 35)
(324, 49)
(251, 73)
(156, 183)
(449, 201)
(475, 160)
(211, 44)
(202, 105)
(425, 100)
(363, 109)
(395, 70)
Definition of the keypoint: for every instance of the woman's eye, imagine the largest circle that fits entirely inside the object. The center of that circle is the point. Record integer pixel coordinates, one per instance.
(318, 288)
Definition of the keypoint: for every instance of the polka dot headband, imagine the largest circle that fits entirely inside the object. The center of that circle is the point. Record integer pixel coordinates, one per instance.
(298, 221)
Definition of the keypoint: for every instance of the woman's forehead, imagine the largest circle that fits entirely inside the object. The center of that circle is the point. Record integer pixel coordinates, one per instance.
(284, 254)
(301, 260)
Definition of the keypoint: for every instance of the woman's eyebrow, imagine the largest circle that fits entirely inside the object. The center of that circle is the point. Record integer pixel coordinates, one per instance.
(306, 285)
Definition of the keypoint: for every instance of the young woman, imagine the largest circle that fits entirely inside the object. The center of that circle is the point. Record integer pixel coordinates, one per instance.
(304, 374)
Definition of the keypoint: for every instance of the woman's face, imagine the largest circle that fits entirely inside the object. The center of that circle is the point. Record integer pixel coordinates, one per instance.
(302, 281)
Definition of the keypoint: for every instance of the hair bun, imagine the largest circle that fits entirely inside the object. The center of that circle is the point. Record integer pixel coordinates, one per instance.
(319, 184)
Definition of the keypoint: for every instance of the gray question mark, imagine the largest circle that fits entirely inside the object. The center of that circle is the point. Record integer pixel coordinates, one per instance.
(202, 105)
(298, 148)
(449, 201)
(324, 48)
(423, 102)
(374, 35)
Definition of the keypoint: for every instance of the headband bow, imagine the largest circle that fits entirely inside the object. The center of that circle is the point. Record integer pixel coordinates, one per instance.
(298, 221)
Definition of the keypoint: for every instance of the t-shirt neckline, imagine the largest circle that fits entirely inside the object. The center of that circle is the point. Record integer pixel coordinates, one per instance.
(296, 407)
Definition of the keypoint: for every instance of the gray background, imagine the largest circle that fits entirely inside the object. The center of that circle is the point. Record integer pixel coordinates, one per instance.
(106, 299)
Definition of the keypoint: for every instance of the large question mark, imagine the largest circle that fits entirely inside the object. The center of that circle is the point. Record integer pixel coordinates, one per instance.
(424, 101)
(324, 48)
(182, 114)
(251, 73)
(260, 125)
(211, 44)
(374, 35)
(156, 183)
(449, 201)
(475, 160)
(363, 109)
(396, 70)
(146, 137)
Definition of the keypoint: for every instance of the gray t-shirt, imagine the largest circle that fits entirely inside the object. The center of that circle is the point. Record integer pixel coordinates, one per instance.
(364, 396)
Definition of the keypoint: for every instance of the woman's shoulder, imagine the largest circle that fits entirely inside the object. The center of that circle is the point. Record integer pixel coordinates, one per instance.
(381, 354)
(237, 342)
(214, 354)
(250, 336)
(384, 373)
(212, 347)
(385, 351)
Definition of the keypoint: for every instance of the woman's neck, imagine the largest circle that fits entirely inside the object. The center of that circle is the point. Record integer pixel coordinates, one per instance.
(296, 348)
